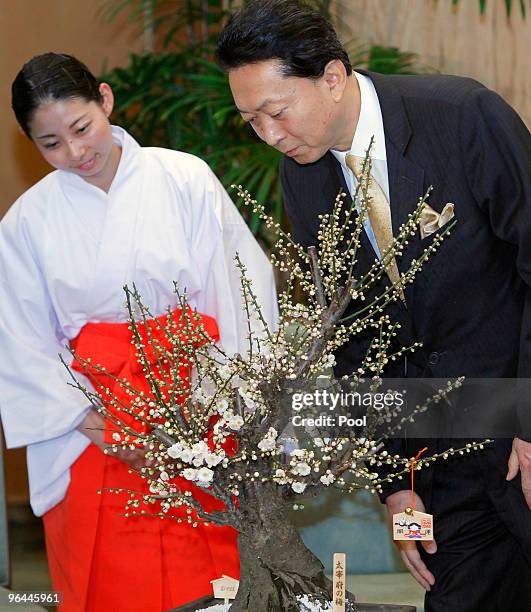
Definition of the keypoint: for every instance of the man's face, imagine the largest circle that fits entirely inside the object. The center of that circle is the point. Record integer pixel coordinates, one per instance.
(298, 116)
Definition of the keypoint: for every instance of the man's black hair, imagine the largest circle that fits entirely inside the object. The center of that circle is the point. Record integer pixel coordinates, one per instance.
(290, 31)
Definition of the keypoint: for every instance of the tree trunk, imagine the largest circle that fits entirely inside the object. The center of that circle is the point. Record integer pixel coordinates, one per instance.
(275, 565)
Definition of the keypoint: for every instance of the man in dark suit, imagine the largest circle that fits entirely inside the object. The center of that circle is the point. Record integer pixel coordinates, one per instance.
(471, 304)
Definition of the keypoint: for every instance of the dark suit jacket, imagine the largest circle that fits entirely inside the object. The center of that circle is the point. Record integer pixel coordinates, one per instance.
(470, 305)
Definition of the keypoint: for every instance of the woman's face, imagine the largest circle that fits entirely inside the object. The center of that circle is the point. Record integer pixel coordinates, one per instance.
(75, 135)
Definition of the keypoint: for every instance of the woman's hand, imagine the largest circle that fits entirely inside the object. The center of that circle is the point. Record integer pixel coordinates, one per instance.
(93, 426)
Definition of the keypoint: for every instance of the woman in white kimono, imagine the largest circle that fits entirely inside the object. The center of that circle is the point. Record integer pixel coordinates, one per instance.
(111, 214)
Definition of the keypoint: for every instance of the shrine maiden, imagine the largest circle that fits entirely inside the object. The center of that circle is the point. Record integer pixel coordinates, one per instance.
(111, 214)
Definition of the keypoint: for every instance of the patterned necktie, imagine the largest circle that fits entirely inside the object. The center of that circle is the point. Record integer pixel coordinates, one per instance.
(379, 213)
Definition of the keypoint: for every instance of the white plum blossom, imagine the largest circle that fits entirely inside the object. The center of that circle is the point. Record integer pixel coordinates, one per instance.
(268, 442)
(280, 477)
(301, 469)
(298, 487)
(164, 476)
(328, 478)
(189, 474)
(329, 361)
(235, 422)
(222, 405)
(200, 449)
(186, 455)
(224, 371)
(205, 475)
(175, 451)
(227, 415)
(213, 459)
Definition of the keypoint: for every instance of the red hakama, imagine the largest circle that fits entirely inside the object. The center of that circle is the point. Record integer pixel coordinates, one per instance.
(103, 561)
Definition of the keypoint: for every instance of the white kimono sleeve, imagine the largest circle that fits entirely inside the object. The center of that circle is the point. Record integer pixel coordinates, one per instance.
(38, 408)
(222, 293)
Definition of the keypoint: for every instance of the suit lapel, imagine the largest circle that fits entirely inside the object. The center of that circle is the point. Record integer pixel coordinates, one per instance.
(406, 179)
(406, 186)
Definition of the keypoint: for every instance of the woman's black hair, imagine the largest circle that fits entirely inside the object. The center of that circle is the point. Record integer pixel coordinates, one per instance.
(50, 76)
(290, 31)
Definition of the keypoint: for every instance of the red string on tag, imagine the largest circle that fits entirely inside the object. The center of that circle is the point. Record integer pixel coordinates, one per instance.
(413, 478)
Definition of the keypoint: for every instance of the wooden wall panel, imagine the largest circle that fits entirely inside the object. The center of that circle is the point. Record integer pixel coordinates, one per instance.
(492, 48)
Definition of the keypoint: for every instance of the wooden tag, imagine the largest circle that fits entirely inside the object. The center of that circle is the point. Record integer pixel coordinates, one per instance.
(225, 588)
(339, 578)
(412, 525)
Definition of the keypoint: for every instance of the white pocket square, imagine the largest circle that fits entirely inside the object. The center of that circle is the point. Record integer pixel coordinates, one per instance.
(430, 220)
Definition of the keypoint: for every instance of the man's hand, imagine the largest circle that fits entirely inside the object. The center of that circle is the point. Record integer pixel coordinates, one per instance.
(93, 426)
(520, 459)
(398, 502)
